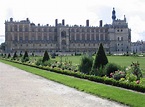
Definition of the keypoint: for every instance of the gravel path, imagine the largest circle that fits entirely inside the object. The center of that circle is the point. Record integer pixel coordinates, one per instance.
(22, 89)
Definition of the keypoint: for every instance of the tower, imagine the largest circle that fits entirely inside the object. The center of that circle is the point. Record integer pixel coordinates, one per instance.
(113, 14)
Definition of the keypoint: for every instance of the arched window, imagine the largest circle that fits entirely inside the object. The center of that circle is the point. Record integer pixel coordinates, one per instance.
(63, 34)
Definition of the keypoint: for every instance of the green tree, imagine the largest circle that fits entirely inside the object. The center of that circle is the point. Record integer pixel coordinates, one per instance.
(9, 55)
(25, 57)
(45, 57)
(86, 64)
(100, 60)
(15, 55)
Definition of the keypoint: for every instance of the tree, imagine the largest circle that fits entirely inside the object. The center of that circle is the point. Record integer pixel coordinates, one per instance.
(2, 46)
(25, 57)
(45, 57)
(15, 55)
(86, 64)
(9, 55)
(100, 60)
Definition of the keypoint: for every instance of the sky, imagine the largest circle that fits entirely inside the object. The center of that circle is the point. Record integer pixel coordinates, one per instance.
(75, 12)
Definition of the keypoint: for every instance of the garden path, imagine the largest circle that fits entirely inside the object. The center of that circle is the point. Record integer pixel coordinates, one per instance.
(22, 89)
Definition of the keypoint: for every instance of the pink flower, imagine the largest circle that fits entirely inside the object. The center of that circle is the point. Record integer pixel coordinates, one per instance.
(138, 81)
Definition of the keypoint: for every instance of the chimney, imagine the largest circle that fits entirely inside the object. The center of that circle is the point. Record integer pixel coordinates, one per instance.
(63, 22)
(27, 19)
(11, 19)
(56, 22)
(101, 23)
(87, 23)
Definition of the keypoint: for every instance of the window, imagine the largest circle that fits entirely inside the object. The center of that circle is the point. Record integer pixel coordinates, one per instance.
(83, 36)
(78, 37)
(20, 28)
(92, 37)
(88, 37)
(45, 38)
(122, 38)
(26, 28)
(97, 36)
(15, 28)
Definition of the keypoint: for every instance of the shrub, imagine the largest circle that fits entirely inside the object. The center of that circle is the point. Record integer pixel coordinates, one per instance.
(118, 75)
(47, 63)
(15, 55)
(100, 71)
(45, 57)
(53, 55)
(9, 55)
(131, 77)
(21, 54)
(136, 70)
(86, 64)
(25, 57)
(100, 59)
(111, 68)
(38, 62)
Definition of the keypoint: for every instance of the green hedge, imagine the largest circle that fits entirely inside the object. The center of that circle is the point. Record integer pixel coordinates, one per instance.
(108, 81)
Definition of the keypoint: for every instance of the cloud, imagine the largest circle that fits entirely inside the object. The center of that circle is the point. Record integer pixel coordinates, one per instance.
(76, 12)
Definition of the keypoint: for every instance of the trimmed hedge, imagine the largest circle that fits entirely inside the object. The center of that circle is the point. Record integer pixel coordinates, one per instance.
(108, 81)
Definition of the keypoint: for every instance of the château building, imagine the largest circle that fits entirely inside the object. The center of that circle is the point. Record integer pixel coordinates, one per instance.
(24, 35)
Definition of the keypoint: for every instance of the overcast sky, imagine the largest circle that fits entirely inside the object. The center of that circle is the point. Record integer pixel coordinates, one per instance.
(75, 12)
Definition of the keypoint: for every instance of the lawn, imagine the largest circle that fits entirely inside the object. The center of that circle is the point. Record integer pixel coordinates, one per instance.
(121, 60)
(127, 97)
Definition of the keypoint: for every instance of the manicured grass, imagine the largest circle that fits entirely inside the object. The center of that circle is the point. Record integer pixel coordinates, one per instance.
(120, 60)
(130, 98)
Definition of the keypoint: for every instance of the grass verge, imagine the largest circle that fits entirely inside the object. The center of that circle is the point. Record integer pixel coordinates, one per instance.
(130, 98)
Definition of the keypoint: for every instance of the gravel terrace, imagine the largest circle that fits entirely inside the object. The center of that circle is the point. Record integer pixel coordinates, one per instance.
(19, 88)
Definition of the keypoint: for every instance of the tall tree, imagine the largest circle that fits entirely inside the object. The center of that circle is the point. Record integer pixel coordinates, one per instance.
(25, 57)
(100, 59)
(15, 55)
(45, 57)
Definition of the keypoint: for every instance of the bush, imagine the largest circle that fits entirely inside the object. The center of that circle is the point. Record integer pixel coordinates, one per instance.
(111, 68)
(86, 64)
(136, 70)
(53, 55)
(9, 55)
(131, 77)
(39, 62)
(47, 63)
(45, 57)
(15, 55)
(118, 75)
(25, 57)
